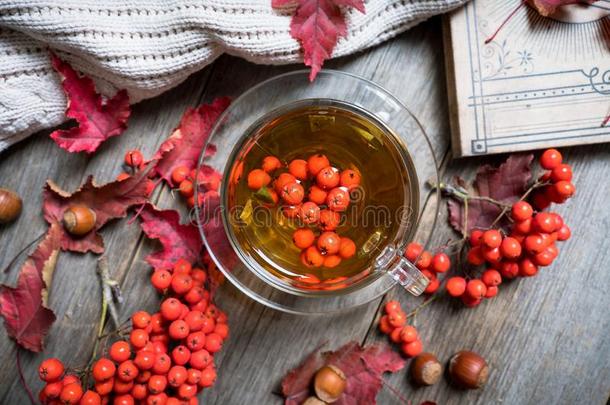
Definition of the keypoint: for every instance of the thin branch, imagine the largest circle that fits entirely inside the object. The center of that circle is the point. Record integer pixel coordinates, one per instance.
(29, 245)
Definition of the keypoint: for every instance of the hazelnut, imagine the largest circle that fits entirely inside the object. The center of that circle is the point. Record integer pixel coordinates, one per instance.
(79, 220)
(468, 370)
(10, 206)
(313, 401)
(426, 369)
(329, 383)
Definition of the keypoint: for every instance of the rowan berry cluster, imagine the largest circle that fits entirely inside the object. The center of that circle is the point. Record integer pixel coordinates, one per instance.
(430, 265)
(314, 193)
(394, 324)
(168, 357)
(187, 180)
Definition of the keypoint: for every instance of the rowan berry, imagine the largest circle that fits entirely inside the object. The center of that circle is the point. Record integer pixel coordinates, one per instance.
(544, 222)
(162, 363)
(122, 387)
(562, 172)
(193, 376)
(53, 389)
(293, 193)
(186, 188)
(395, 334)
(201, 305)
(125, 399)
(208, 324)
(409, 334)
(550, 159)
(317, 162)
(161, 279)
(134, 158)
(158, 399)
(328, 178)
(347, 248)
(309, 213)
(171, 309)
(424, 260)
(491, 254)
(476, 237)
(139, 391)
(195, 341)
(534, 243)
(194, 295)
(441, 262)
(384, 325)
(543, 258)
(127, 371)
(540, 200)
(397, 319)
(200, 359)
(412, 349)
(509, 270)
(298, 168)
(510, 248)
(138, 338)
(527, 268)
(157, 384)
(337, 199)
(392, 306)
(104, 387)
(181, 283)
(329, 220)
(456, 286)
(491, 292)
(145, 359)
(283, 180)
(521, 210)
(349, 178)
(50, 370)
(271, 163)
(71, 394)
(213, 342)
(103, 369)
(469, 301)
(475, 256)
(564, 233)
(187, 391)
(432, 286)
(199, 276)
(257, 179)
(523, 227)
(303, 238)
(140, 319)
(476, 289)
(181, 355)
(313, 257)
(156, 323)
(564, 188)
(179, 174)
(291, 211)
(412, 251)
(316, 195)
(143, 376)
(329, 243)
(182, 266)
(331, 261)
(492, 238)
(208, 377)
(491, 277)
(90, 398)
(195, 320)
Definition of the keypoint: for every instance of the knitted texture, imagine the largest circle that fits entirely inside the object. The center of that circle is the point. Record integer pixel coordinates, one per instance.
(150, 46)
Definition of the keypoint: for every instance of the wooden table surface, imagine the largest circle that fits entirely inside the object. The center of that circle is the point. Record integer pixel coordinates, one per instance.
(547, 339)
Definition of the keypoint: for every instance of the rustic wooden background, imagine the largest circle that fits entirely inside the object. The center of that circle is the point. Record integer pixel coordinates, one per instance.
(547, 339)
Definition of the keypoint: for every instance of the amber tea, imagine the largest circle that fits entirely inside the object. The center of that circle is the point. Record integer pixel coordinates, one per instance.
(317, 190)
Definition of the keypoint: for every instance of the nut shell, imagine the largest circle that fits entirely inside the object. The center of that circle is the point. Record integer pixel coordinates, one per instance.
(426, 369)
(329, 383)
(10, 206)
(468, 370)
(79, 220)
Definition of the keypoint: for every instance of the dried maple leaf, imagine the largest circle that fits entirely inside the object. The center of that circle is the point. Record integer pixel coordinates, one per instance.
(548, 7)
(24, 307)
(363, 367)
(109, 201)
(317, 25)
(505, 183)
(98, 118)
(179, 241)
(184, 145)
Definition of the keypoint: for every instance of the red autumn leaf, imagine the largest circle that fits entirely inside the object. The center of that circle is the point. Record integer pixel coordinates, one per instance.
(98, 118)
(548, 7)
(24, 307)
(179, 241)
(184, 145)
(317, 25)
(362, 366)
(505, 183)
(109, 201)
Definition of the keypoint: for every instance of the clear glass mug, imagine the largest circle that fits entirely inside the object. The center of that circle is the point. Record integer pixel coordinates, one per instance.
(388, 266)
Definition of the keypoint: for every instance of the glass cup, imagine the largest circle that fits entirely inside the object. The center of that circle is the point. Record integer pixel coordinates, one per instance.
(263, 103)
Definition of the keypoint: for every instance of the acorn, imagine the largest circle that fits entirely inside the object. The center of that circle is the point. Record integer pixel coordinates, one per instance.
(329, 383)
(10, 206)
(79, 219)
(426, 369)
(468, 370)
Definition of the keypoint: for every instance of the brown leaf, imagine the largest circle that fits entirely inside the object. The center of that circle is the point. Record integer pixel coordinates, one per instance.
(363, 367)
(505, 183)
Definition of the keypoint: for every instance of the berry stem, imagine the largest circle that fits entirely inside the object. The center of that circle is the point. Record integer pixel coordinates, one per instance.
(14, 259)
(510, 16)
(421, 306)
(24, 384)
(534, 186)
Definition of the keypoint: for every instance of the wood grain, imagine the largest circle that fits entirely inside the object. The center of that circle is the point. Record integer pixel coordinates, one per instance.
(546, 338)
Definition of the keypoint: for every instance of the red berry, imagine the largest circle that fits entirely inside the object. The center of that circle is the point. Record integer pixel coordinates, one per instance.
(139, 391)
(317, 195)
(134, 158)
(208, 377)
(476, 237)
(258, 179)
(292, 193)
(491, 254)
(158, 399)
(316, 163)
(456, 286)
(222, 330)
(523, 227)
(491, 278)
(161, 279)
(384, 325)
(350, 179)
(413, 250)
(127, 371)
(213, 343)
(476, 289)
(156, 323)
(491, 292)
(492, 238)
(424, 260)
(328, 178)
(475, 256)
(208, 324)
(138, 338)
(509, 269)
(544, 222)
(564, 188)
(186, 188)
(162, 363)
(298, 168)
(347, 248)
(182, 266)
(521, 210)
(200, 359)
(53, 389)
(550, 159)
(271, 163)
(313, 257)
(469, 301)
(540, 201)
(170, 309)
(90, 398)
(397, 319)
(432, 286)
(303, 238)
(181, 355)
(337, 199)
(534, 243)
(329, 220)
(145, 360)
(409, 334)
(176, 376)
(194, 295)
(104, 387)
(140, 319)
(545, 257)
(562, 172)
(283, 180)
(193, 376)
(179, 174)
(331, 261)
(195, 320)
(125, 399)
(181, 283)
(527, 268)
(50, 370)
(412, 349)
(392, 306)
(178, 329)
(328, 243)
(309, 213)
(510, 248)
(103, 369)
(395, 335)
(441, 263)
(564, 233)
(156, 384)
(71, 394)
(291, 211)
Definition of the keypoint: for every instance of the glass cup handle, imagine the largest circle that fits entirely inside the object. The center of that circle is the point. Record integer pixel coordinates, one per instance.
(403, 271)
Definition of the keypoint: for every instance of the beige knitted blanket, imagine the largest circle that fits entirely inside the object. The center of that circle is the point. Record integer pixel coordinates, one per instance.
(150, 46)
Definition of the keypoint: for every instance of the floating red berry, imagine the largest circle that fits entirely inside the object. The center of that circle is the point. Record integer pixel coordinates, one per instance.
(271, 163)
